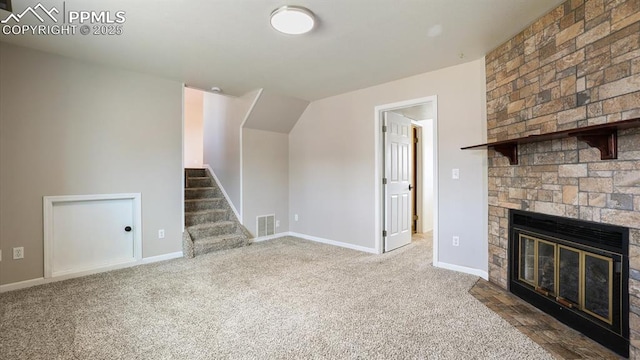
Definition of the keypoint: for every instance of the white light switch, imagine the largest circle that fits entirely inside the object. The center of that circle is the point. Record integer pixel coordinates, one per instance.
(455, 174)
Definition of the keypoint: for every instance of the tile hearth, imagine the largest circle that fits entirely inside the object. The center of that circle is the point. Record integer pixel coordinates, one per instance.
(560, 340)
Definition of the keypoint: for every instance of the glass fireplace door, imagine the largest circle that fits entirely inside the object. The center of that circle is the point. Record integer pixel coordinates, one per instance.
(538, 264)
(569, 276)
(575, 278)
(598, 289)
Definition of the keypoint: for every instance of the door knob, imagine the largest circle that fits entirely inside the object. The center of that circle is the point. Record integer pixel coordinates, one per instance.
(127, 229)
(410, 187)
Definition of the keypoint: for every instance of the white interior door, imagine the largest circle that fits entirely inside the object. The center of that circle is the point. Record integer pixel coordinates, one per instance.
(91, 234)
(398, 141)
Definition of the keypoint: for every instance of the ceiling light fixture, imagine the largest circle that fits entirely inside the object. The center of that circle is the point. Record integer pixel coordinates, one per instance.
(292, 20)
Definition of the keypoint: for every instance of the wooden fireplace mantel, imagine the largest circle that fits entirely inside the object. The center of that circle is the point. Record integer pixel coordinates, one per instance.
(601, 136)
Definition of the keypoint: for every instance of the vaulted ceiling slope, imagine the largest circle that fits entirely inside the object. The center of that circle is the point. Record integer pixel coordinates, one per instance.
(275, 112)
(230, 44)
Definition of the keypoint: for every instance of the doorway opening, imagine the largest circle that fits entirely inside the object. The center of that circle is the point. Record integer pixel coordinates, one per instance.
(193, 103)
(192, 135)
(406, 172)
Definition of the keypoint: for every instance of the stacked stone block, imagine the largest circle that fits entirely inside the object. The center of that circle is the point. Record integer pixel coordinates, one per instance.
(576, 66)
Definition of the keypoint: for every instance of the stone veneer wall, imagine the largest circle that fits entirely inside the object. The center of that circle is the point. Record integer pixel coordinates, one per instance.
(576, 66)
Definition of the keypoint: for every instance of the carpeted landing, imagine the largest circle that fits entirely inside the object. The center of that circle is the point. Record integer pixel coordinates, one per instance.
(281, 299)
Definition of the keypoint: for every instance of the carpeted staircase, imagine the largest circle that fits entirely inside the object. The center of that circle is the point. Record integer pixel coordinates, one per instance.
(210, 224)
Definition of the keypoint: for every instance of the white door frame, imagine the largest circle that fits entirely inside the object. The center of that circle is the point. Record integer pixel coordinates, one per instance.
(48, 203)
(379, 168)
(182, 145)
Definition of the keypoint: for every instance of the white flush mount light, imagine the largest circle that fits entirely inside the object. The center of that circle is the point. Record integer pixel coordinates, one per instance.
(292, 20)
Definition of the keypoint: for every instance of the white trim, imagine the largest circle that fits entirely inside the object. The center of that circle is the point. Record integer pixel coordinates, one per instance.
(379, 170)
(463, 269)
(436, 188)
(157, 258)
(40, 281)
(24, 284)
(224, 193)
(49, 201)
(270, 237)
(182, 184)
(246, 117)
(334, 243)
(68, 274)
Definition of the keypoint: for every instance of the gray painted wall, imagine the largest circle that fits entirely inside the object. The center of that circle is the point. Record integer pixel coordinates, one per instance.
(222, 120)
(70, 128)
(265, 177)
(332, 164)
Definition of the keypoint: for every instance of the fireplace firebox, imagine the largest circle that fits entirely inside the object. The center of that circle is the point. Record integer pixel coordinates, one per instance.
(574, 270)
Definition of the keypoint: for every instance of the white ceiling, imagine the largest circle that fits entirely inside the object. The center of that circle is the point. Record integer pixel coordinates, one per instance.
(229, 43)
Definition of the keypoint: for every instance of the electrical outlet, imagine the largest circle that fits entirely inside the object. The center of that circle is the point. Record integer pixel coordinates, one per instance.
(456, 241)
(455, 174)
(18, 253)
(161, 234)
(295, 217)
(277, 223)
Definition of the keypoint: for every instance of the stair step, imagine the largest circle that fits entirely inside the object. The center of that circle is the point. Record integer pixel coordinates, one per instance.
(204, 216)
(200, 193)
(196, 172)
(203, 204)
(216, 243)
(210, 225)
(202, 231)
(199, 182)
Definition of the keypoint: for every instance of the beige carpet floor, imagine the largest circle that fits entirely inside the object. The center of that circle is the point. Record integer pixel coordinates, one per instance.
(281, 299)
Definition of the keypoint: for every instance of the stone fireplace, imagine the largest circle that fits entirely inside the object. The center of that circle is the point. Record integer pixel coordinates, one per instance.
(575, 270)
(577, 66)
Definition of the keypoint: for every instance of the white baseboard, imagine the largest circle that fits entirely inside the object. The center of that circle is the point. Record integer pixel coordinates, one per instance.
(270, 237)
(74, 273)
(40, 281)
(22, 284)
(224, 193)
(170, 256)
(463, 269)
(334, 243)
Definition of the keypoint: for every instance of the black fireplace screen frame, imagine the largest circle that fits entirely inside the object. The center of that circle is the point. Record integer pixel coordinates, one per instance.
(581, 235)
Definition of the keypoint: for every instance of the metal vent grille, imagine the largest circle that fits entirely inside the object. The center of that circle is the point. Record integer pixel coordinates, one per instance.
(588, 233)
(265, 225)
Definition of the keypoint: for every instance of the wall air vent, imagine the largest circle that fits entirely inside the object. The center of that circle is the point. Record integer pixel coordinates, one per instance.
(265, 225)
